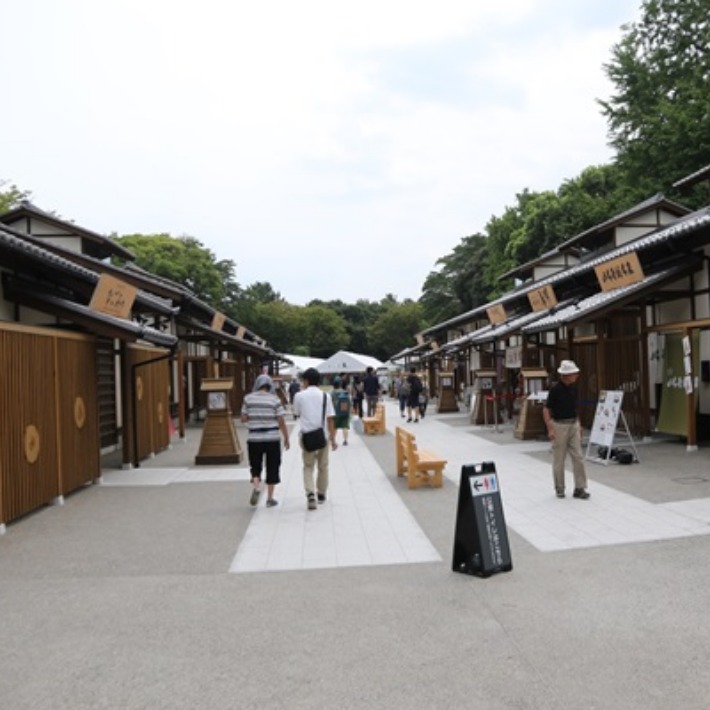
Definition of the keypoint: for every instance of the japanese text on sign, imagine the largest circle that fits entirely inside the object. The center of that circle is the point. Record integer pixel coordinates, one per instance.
(492, 532)
(542, 298)
(113, 297)
(497, 314)
(622, 271)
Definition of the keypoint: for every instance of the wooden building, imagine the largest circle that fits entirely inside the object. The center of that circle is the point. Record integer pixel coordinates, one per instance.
(95, 357)
(608, 298)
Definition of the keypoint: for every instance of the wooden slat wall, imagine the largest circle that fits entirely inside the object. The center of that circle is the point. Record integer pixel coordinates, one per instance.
(585, 355)
(106, 392)
(78, 413)
(617, 363)
(27, 403)
(624, 372)
(200, 367)
(232, 369)
(152, 405)
(160, 382)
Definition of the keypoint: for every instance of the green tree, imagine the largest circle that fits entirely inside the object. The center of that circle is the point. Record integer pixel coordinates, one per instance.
(324, 331)
(280, 323)
(358, 318)
(260, 292)
(460, 283)
(188, 262)
(549, 218)
(395, 328)
(658, 116)
(11, 196)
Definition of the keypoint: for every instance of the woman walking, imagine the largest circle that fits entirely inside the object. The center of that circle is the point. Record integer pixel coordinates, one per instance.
(263, 413)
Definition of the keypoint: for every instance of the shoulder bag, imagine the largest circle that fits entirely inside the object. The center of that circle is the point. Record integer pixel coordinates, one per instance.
(315, 440)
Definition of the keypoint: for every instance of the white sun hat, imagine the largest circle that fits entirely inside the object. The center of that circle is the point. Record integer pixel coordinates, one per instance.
(567, 367)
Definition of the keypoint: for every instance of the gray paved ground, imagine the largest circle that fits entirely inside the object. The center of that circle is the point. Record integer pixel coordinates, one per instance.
(121, 599)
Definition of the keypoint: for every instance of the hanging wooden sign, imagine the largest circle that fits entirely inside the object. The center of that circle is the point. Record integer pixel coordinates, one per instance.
(542, 298)
(497, 314)
(113, 297)
(622, 271)
(218, 321)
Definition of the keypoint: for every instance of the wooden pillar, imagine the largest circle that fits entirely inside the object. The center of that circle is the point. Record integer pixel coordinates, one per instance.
(126, 406)
(57, 416)
(692, 444)
(181, 393)
(602, 344)
(645, 375)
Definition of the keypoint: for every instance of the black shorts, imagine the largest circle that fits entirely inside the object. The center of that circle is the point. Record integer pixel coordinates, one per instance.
(272, 451)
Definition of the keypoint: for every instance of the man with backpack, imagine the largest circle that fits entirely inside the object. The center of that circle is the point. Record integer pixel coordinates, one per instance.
(402, 394)
(342, 405)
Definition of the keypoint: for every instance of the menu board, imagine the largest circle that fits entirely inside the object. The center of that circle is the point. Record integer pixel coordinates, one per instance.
(606, 417)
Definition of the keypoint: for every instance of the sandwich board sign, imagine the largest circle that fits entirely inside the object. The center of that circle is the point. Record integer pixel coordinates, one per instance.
(605, 426)
(481, 539)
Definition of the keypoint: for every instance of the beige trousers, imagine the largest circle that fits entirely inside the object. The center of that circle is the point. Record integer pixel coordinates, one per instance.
(311, 459)
(568, 440)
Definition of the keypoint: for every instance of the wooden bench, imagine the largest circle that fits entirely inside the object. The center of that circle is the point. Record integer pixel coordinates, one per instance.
(422, 468)
(376, 424)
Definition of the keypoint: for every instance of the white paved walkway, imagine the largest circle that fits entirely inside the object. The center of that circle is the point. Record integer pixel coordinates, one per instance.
(365, 522)
(609, 517)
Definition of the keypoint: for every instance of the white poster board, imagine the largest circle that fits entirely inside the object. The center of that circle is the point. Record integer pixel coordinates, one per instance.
(606, 417)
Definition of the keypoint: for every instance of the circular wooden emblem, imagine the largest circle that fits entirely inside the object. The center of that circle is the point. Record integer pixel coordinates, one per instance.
(160, 412)
(79, 412)
(32, 443)
(139, 388)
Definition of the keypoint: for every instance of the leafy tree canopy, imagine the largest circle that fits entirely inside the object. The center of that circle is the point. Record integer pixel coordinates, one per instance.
(11, 196)
(659, 124)
(324, 331)
(658, 116)
(280, 323)
(188, 262)
(394, 329)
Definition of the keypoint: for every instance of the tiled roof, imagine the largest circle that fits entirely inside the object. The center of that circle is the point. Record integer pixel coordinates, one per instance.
(18, 243)
(102, 323)
(603, 299)
(693, 222)
(223, 337)
(102, 243)
(493, 332)
(697, 176)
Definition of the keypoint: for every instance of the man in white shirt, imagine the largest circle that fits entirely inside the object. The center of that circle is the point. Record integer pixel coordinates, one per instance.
(315, 410)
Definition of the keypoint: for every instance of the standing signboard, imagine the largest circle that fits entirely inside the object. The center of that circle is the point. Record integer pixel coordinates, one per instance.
(481, 539)
(606, 417)
(605, 425)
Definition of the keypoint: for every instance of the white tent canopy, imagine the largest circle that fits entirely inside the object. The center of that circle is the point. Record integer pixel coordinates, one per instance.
(348, 363)
(300, 364)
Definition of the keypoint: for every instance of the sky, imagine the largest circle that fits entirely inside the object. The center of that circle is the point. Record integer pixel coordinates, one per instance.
(334, 150)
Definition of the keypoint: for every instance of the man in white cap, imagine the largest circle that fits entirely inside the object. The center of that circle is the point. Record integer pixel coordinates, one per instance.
(565, 431)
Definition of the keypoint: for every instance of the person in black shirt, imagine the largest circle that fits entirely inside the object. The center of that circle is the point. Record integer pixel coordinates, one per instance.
(371, 385)
(564, 430)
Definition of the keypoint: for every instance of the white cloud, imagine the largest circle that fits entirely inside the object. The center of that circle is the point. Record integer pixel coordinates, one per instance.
(373, 136)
